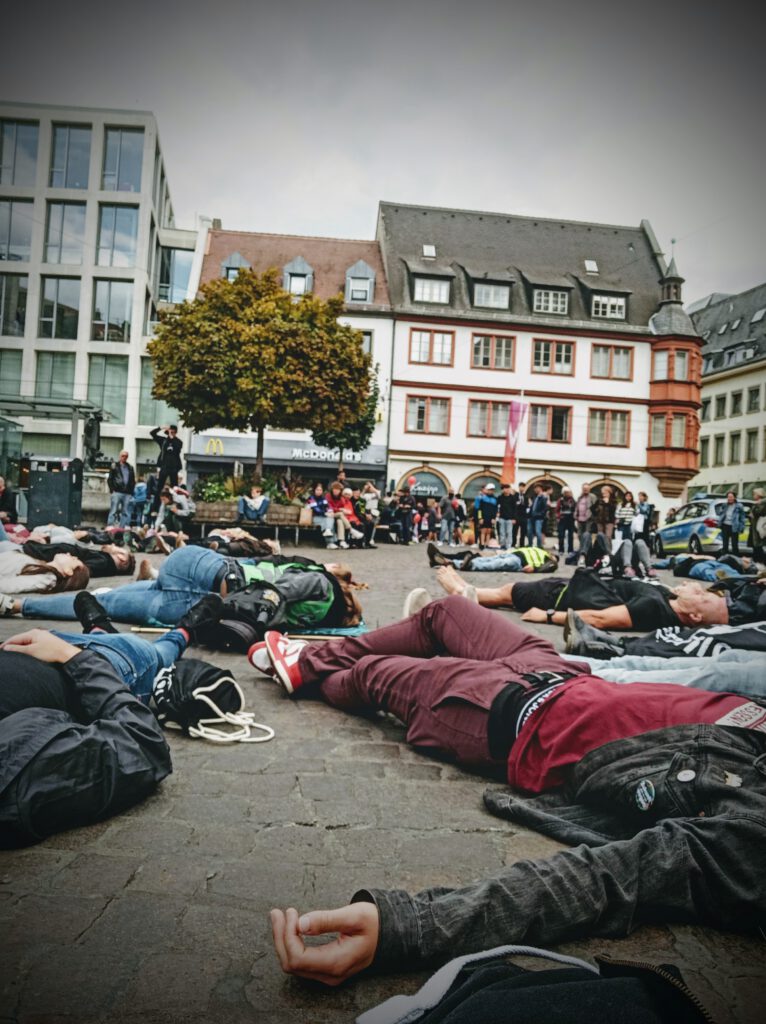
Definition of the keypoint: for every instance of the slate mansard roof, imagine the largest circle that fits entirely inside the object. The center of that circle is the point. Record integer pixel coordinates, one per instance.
(329, 259)
(732, 327)
(531, 252)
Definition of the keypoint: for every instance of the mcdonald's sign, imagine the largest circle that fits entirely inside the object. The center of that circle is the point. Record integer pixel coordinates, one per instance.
(214, 446)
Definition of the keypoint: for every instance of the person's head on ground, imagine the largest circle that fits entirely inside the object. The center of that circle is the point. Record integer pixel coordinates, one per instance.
(123, 558)
(352, 614)
(69, 572)
(696, 606)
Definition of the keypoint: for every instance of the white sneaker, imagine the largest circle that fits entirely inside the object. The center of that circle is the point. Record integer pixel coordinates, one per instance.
(415, 601)
(332, 547)
(283, 655)
(342, 544)
(328, 533)
(372, 544)
(6, 605)
(357, 534)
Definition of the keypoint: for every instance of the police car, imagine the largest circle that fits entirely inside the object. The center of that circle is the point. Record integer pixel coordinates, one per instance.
(695, 528)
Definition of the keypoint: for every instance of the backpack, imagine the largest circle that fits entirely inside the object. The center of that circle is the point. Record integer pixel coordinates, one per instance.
(247, 615)
(199, 698)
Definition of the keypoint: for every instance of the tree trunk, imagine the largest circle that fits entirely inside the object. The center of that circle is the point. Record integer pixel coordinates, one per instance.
(340, 459)
(259, 454)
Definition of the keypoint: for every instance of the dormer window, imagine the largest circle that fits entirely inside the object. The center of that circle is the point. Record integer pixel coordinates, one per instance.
(491, 296)
(608, 307)
(758, 316)
(431, 289)
(231, 266)
(547, 301)
(360, 283)
(298, 277)
(429, 252)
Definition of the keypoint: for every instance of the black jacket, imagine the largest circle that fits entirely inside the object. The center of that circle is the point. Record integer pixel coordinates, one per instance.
(169, 458)
(60, 769)
(115, 482)
(8, 505)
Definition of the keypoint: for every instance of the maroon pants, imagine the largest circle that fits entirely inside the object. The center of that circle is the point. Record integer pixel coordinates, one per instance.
(438, 672)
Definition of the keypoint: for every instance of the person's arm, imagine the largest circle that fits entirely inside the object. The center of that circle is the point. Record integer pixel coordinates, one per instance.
(681, 870)
(107, 762)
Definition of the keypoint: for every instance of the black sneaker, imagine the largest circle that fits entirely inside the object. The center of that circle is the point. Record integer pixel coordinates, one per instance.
(435, 557)
(206, 612)
(92, 615)
(589, 642)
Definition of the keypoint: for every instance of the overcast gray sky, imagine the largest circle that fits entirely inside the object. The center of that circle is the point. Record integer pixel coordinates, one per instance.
(298, 117)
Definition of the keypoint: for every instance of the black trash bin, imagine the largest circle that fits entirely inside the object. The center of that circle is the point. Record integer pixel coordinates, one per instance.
(55, 492)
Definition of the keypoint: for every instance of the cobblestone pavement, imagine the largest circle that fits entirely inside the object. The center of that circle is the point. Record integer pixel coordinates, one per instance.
(160, 914)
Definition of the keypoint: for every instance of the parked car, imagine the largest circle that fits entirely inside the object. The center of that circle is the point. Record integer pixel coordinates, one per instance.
(695, 528)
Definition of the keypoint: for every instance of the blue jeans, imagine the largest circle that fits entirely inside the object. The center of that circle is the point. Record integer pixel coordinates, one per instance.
(494, 563)
(245, 512)
(445, 530)
(136, 660)
(3, 534)
(186, 575)
(505, 532)
(326, 524)
(535, 532)
(118, 503)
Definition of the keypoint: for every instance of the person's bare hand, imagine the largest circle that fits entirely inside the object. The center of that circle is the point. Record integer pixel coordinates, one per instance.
(41, 644)
(357, 925)
(535, 615)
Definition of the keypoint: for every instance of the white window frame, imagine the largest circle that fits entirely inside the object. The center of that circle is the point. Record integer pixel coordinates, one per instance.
(608, 307)
(487, 295)
(298, 284)
(359, 289)
(431, 289)
(546, 300)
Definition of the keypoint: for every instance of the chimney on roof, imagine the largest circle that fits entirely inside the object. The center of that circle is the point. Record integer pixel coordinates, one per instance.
(217, 225)
(671, 284)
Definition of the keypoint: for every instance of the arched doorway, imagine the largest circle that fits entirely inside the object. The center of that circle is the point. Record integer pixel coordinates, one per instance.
(429, 483)
(473, 484)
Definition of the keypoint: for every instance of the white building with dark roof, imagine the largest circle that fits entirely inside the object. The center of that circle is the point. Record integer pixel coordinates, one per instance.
(582, 321)
(733, 414)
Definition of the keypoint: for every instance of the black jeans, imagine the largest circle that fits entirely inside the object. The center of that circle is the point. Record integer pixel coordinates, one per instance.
(729, 536)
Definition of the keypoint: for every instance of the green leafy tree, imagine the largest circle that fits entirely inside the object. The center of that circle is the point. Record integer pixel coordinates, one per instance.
(246, 355)
(356, 436)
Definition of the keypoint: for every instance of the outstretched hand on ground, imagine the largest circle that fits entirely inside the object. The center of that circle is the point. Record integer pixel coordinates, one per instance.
(357, 925)
(41, 644)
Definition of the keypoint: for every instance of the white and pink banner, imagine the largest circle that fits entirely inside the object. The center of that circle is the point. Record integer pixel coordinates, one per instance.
(516, 416)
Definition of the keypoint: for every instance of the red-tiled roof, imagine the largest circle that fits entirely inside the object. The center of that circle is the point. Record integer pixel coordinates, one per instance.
(329, 258)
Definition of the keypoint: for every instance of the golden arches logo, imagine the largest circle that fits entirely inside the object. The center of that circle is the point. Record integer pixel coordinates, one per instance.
(214, 446)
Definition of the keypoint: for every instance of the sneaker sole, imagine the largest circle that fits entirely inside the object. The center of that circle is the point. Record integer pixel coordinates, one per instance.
(261, 646)
(281, 673)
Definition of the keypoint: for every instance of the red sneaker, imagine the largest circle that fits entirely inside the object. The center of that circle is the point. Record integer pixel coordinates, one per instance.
(284, 654)
(259, 658)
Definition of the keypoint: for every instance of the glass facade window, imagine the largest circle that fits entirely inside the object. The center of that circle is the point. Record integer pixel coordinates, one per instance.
(152, 410)
(736, 404)
(70, 156)
(608, 427)
(123, 156)
(59, 307)
(491, 296)
(431, 347)
(612, 361)
(431, 289)
(13, 304)
(549, 423)
(718, 444)
(65, 233)
(704, 452)
(678, 432)
(657, 431)
(720, 407)
(108, 384)
(54, 376)
(175, 270)
(553, 357)
(754, 399)
(10, 371)
(751, 446)
(18, 152)
(487, 419)
(660, 364)
(705, 410)
(735, 448)
(15, 229)
(359, 289)
(112, 311)
(117, 232)
(608, 307)
(681, 366)
(546, 301)
(489, 352)
(427, 415)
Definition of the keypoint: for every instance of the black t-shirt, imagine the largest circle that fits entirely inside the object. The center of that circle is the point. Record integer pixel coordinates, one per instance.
(647, 603)
(26, 682)
(99, 563)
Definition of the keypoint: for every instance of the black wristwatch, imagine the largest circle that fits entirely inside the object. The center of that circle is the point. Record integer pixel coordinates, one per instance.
(549, 615)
